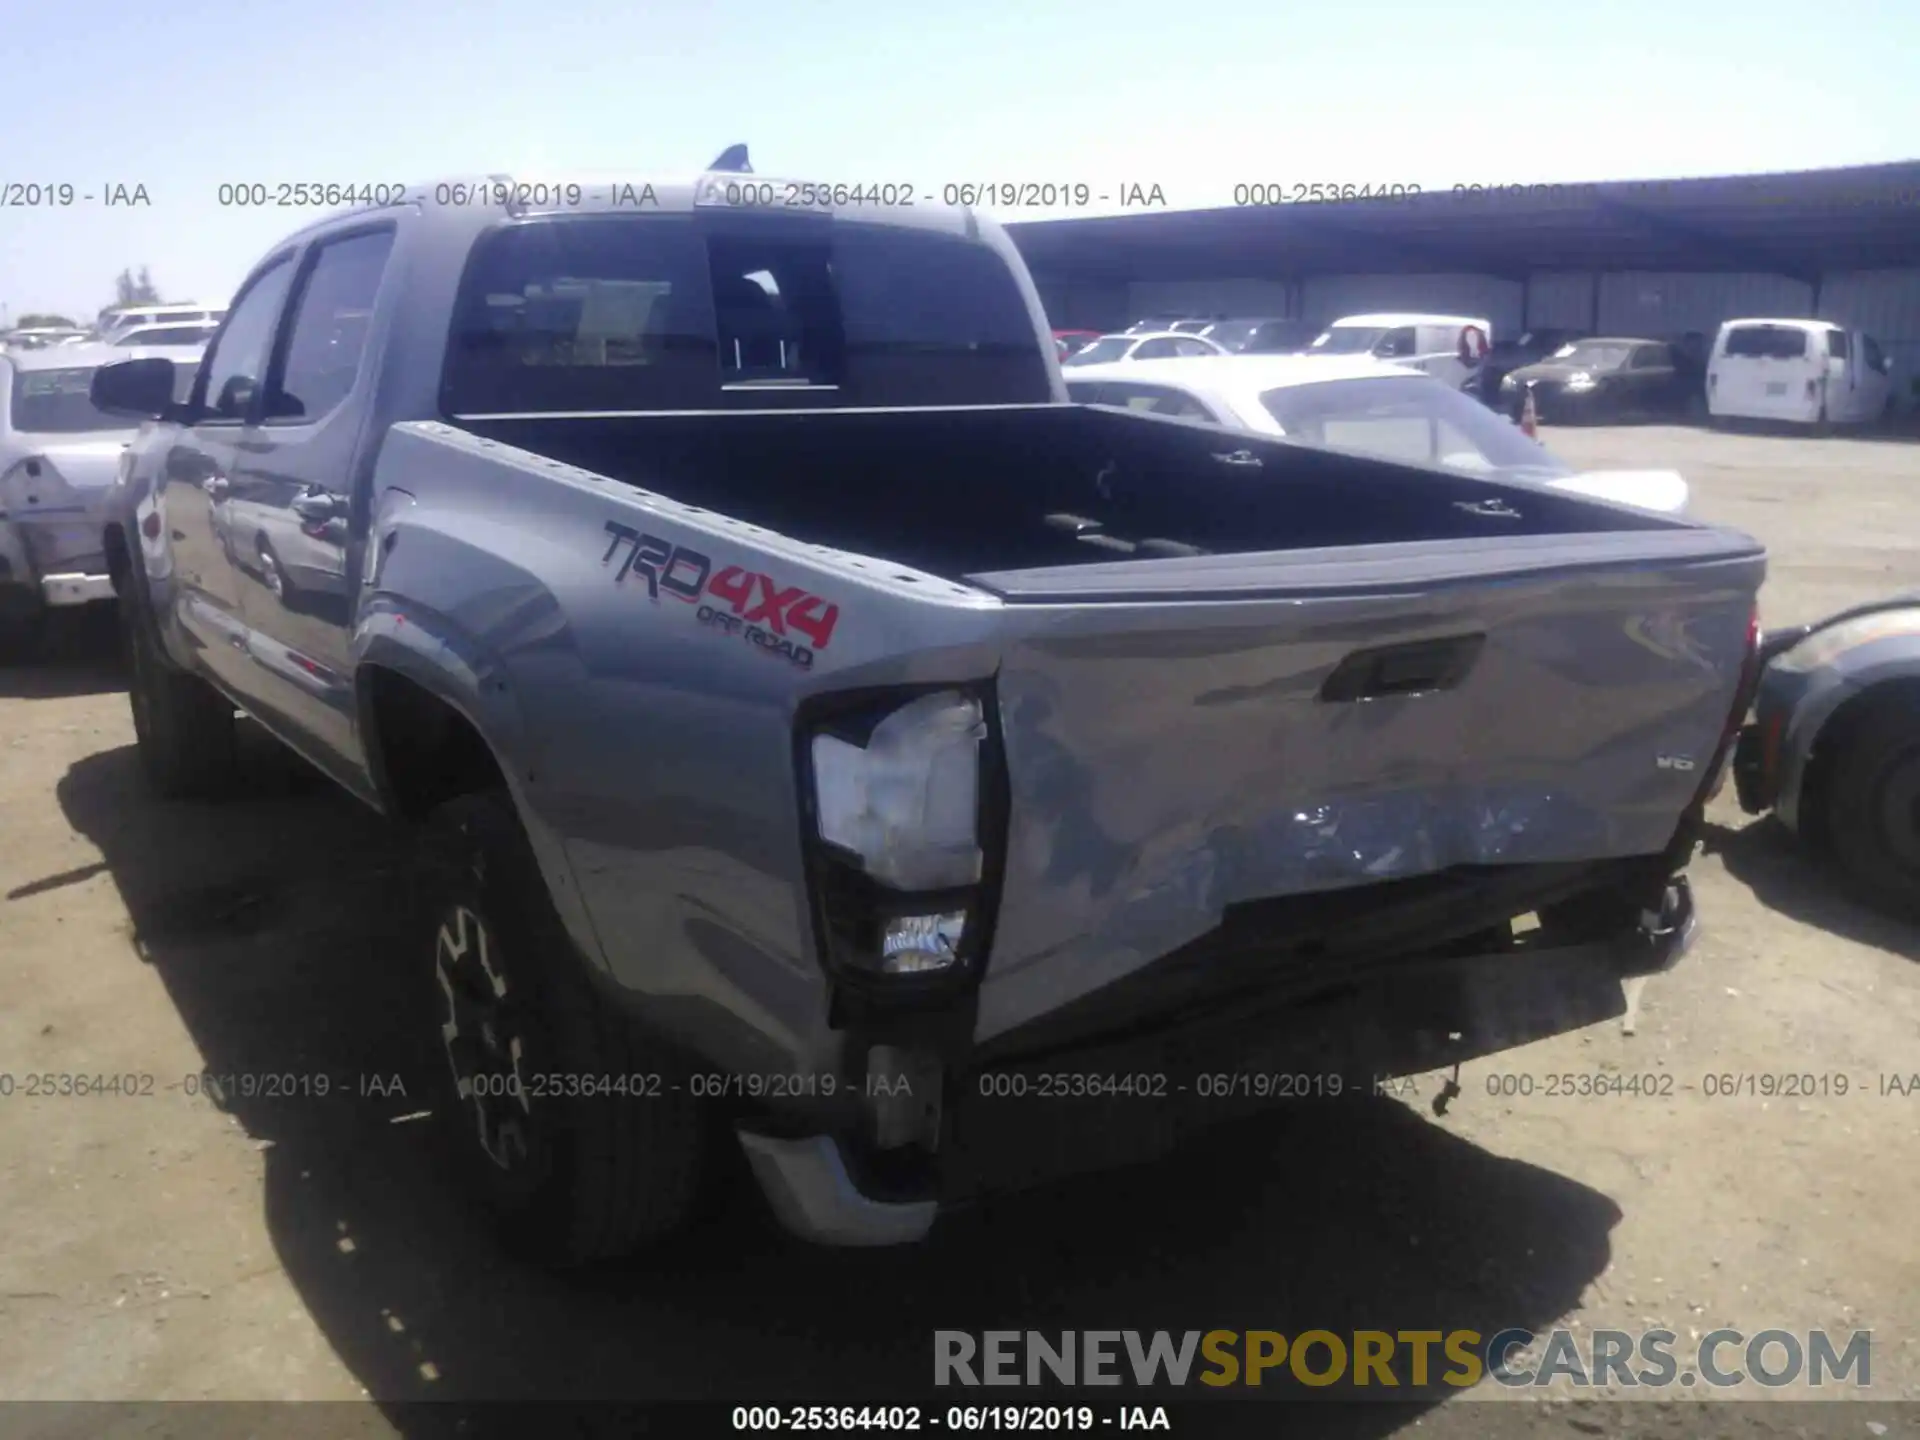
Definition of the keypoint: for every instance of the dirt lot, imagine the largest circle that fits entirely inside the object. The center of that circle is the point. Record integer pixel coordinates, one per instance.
(162, 1247)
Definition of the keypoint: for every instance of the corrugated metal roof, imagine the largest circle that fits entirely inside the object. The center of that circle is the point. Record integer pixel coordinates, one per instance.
(1796, 224)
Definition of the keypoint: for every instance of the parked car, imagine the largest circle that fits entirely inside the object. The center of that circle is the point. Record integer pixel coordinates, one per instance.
(148, 336)
(1833, 746)
(1451, 348)
(59, 453)
(1262, 336)
(39, 337)
(1506, 356)
(1604, 378)
(1807, 372)
(1364, 405)
(1066, 342)
(112, 322)
(1193, 326)
(1155, 325)
(1126, 349)
(807, 709)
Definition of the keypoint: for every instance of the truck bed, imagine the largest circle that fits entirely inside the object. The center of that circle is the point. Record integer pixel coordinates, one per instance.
(1218, 685)
(963, 491)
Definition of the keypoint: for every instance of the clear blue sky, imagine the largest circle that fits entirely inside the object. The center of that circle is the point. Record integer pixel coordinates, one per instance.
(183, 95)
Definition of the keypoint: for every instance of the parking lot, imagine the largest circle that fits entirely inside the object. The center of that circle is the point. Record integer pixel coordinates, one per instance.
(161, 1246)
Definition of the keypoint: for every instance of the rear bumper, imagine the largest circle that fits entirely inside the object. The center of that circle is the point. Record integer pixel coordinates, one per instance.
(1016, 1123)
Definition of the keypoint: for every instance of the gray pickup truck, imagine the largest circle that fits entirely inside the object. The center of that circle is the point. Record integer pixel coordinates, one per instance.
(831, 746)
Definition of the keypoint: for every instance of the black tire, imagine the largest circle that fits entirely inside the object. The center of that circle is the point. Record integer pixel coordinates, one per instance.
(189, 746)
(1872, 808)
(569, 1177)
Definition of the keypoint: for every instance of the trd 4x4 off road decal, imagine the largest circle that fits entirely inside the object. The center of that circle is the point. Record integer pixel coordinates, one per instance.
(756, 607)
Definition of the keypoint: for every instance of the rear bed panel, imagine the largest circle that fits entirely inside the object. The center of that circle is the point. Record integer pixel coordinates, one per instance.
(1168, 761)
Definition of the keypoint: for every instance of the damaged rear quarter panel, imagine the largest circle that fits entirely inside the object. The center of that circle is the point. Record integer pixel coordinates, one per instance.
(652, 656)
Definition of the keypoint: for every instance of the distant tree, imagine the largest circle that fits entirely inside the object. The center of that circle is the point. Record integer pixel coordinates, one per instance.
(130, 289)
(42, 320)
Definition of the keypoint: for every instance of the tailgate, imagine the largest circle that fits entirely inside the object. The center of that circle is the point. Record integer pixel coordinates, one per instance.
(1184, 735)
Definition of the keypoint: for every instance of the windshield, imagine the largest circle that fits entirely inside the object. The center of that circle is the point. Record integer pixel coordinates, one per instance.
(1349, 340)
(1409, 418)
(55, 402)
(1594, 354)
(1230, 334)
(1100, 352)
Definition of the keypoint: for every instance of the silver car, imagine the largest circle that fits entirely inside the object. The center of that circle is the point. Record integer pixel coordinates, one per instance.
(58, 458)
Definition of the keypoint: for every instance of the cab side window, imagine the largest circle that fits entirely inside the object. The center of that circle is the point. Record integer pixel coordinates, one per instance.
(236, 366)
(328, 335)
(1163, 349)
(1396, 344)
(1836, 344)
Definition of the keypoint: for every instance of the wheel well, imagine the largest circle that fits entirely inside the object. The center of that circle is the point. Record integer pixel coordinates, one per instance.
(1835, 736)
(425, 751)
(119, 559)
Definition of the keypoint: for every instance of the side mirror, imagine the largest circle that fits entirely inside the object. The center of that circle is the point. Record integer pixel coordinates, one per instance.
(236, 396)
(140, 389)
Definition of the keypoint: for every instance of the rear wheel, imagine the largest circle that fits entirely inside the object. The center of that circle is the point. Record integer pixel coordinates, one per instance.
(567, 1120)
(184, 727)
(1873, 804)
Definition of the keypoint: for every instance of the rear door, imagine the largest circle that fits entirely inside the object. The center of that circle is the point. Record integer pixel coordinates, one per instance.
(296, 477)
(1652, 380)
(1843, 376)
(195, 479)
(1770, 371)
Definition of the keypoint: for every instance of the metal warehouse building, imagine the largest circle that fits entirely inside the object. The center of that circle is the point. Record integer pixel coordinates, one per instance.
(1643, 258)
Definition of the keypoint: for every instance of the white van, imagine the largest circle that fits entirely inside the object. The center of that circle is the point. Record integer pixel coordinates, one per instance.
(1450, 348)
(1809, 371)
(118, 322)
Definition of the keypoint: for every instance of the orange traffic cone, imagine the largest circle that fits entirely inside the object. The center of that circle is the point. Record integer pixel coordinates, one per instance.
(1529, 417)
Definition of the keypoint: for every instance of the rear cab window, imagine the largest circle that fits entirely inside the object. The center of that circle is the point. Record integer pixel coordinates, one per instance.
(704, 311)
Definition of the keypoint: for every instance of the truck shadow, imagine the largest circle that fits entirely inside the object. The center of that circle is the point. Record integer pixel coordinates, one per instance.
(1786, 874)
(78, 654)
(275, 924)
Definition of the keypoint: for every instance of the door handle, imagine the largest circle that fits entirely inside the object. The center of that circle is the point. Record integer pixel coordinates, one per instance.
(216, 486)
(1243, 459)
(318, 507)
(1414, 668)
